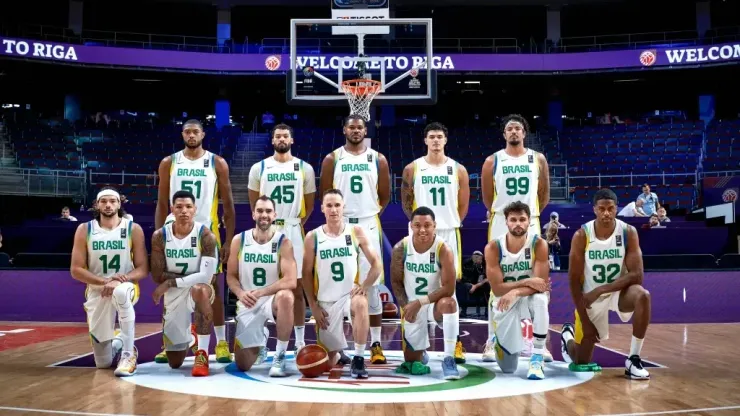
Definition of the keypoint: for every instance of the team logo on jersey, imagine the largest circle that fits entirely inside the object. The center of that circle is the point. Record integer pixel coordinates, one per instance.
(370, 158)
(193, 241)
(123, 233)
(296, 167)
(619, 240)
(206, 163)
(348, 239)
(431, 258)
(449, 170)
(530, 158)
(527, 253)
(274, 247)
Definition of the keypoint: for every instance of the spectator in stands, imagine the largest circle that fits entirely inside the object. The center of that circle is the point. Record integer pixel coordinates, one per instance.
(649, 199)
(473, 288)
(662, 216)
(66, 216)
(655, 222)
(554, 220)
(553, 241)
(633, 209)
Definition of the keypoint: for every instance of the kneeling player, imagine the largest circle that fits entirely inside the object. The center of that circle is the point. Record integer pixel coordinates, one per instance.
(109, 255)
(262, 274)
(423, 277)
(182, 264)
(606, 274)
(517, 268)
(331, 281)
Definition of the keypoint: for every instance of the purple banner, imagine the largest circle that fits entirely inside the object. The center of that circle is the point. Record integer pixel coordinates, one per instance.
(555, 62)
(677, 297)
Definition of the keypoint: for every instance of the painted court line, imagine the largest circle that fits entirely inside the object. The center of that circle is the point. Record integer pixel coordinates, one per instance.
(671, 412)
(59, 412)
(627, 356)
(90, 353)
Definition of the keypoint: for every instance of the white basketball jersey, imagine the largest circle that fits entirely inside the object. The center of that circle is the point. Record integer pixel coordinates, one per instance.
(336, 268)
(436, 187)
(604, 258)
(183, 254)
(259, 264)
(422, 272)
(283, 183)
(516, 180)
(356, 176)
(517, 266)
(199, 177)
(109, 251)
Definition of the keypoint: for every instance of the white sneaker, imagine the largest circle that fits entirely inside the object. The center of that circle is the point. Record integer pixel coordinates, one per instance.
(278, 366)
(126, 365)
(489, 352)
(547, 356)
(263, 349)
(634, 370)
(298, 347)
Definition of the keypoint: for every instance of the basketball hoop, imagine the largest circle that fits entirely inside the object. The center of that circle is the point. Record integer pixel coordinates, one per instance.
(360, 93)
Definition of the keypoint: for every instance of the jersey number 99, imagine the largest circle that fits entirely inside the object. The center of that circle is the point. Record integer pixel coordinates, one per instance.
(517, 186)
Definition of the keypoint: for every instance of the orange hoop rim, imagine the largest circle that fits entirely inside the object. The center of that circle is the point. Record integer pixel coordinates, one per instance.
(351, 86)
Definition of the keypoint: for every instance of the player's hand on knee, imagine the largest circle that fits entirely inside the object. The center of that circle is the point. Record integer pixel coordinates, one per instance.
(506, 301)
(120, 277)
(411, 310)
(321, 317)
(159, 292)
(539, 284)
(249, 298)
(108, 288)
(357, 290)
(589, 298)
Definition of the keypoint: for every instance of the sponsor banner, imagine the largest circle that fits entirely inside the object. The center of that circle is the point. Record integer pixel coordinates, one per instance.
(215, 62)
(721, 190)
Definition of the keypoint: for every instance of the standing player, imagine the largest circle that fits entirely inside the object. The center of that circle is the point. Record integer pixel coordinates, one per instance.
(513, 174)
(262, 274)
(291, 184)
(517, 267)
(441, 184)
(362, 175)
(109, 255)
(206, 176)
(331, 281)
(605, 275)
(183, 262)
(423, 276)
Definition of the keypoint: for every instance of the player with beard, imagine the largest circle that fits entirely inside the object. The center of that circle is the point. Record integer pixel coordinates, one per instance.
(291, 184)
(513, 174)
(262, 274)
(206, 176)
(362, 175)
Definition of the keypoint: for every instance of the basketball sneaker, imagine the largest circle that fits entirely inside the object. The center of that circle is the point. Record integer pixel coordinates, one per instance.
(200, 364)
(459, 352)
(298, 347)
(194, 343)
(634, 369)
(116, 345)
(223, 355)
(425, 358)
(126, 365)
(343, 359)
(547, 356)
(161, 358)
(376, 354)
(489, 352)
(358, 367)
(449, 369)
(536, 367)
(567, 328)
(262, 356)
(278, 366)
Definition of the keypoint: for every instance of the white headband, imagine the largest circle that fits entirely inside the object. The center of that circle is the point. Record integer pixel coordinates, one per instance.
(108, 192)
(514, 121)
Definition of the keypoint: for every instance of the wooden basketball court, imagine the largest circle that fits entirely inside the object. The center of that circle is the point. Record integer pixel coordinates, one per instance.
(699, 377)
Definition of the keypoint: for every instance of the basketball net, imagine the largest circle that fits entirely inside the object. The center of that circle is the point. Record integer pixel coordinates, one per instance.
(360, 94)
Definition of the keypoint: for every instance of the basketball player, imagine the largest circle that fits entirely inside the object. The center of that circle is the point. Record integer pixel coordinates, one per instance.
(183, 262)
(362, 175)
(513, 174)
(291, 185)
(109, 256)
(423, 277)
(206, 176)
(606, 274)
(262, 274)
(331, 281)
(517, 267)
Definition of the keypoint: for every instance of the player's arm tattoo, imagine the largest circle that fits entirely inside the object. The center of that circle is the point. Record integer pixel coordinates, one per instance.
(397, 258)
(407, 190)
(203, 321)
(543, 187)
(208, 244)
(448, 276)
(158, 261)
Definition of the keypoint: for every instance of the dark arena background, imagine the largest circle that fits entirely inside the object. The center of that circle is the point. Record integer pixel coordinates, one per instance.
(618, 94)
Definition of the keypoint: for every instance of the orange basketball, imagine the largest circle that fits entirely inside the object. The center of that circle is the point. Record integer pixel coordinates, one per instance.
(312, 360)
(390, 310)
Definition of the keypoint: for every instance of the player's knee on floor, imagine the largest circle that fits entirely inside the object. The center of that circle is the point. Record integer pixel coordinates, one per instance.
(103, 354)
(447, 305)
(176, 358)
(245, 358)
(508, 363)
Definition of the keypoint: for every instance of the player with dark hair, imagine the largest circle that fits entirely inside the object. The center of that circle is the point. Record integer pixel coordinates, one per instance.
(206, 176)
(423, 277)
(109, 255)
(363, 177)
(331, 281)
(606, 274)
(518, 270)
(291, 185)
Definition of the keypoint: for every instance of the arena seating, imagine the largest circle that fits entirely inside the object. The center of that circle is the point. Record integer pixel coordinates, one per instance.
(723, 146)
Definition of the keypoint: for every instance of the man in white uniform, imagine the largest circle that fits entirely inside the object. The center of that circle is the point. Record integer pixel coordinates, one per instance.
(262, 274)
(109, 256)
(291, 184)
(363, 177)
(331, 281)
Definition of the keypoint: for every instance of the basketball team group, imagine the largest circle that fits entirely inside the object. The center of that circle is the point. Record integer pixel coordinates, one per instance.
(275, 268)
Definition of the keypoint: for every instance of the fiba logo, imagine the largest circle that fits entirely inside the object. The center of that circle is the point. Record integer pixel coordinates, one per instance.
(729, 195)
(272, 63)
(414, 83)
(648, 58)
